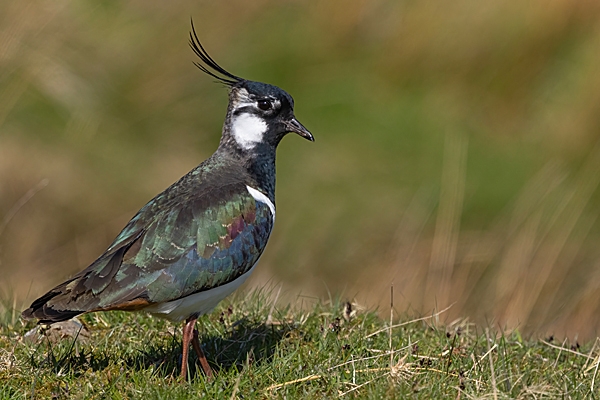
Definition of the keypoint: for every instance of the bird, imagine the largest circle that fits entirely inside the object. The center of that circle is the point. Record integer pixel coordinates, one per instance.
(196, 242)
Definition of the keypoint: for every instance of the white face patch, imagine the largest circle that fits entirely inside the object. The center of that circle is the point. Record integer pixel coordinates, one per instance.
(248, 130)
(258, 196)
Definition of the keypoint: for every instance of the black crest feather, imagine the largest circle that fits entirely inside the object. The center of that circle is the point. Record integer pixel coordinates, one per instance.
(208, 65)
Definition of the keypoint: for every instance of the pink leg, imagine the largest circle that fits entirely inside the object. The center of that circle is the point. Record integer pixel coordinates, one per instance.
(188, 327)
(191, 335)
(200, 354)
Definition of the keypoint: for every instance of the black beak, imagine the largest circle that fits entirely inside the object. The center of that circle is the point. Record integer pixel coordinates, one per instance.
(294, 126)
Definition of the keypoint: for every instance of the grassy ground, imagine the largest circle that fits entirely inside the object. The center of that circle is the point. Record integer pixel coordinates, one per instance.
(260, 351)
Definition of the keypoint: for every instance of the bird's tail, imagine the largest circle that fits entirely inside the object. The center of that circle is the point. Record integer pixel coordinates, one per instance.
(45, 308)
(78, 294)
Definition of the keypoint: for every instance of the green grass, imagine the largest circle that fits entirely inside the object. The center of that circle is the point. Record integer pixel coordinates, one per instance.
(261, 351)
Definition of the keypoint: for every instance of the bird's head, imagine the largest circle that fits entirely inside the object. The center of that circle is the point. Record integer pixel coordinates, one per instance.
(259, 114)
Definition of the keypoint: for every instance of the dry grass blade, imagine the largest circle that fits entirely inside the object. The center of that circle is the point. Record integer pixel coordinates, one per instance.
(235, 387)
(409, 322)
(364, 384)
(385, 354)
(566, 349)
(585, 366)
(305, 379)
(489, 354)
(592, 385)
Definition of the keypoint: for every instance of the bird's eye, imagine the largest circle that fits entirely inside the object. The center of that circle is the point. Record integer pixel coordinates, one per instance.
(264, 105)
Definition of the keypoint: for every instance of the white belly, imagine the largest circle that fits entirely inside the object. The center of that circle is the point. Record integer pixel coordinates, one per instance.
(198, 303)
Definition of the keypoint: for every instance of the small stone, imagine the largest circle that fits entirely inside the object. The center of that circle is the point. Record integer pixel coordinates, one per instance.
(58, 331)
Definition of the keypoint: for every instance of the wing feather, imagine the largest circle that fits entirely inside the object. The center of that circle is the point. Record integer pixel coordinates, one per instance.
(166, 253)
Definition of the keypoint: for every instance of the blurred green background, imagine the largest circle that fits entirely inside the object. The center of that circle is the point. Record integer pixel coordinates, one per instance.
(456, 152)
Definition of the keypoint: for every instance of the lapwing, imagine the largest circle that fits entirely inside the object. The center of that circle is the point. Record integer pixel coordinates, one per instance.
(196, 242)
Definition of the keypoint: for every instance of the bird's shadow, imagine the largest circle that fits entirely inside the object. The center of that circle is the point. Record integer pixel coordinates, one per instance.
(245, 342)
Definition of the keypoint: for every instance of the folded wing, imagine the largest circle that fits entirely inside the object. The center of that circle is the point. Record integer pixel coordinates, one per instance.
(166, 253)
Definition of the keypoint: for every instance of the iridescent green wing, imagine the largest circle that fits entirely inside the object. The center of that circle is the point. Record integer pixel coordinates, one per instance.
(198, 248)
(170, 249)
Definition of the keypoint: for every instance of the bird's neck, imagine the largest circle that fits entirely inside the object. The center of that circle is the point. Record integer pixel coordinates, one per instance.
(259, 162)
(262, 169)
